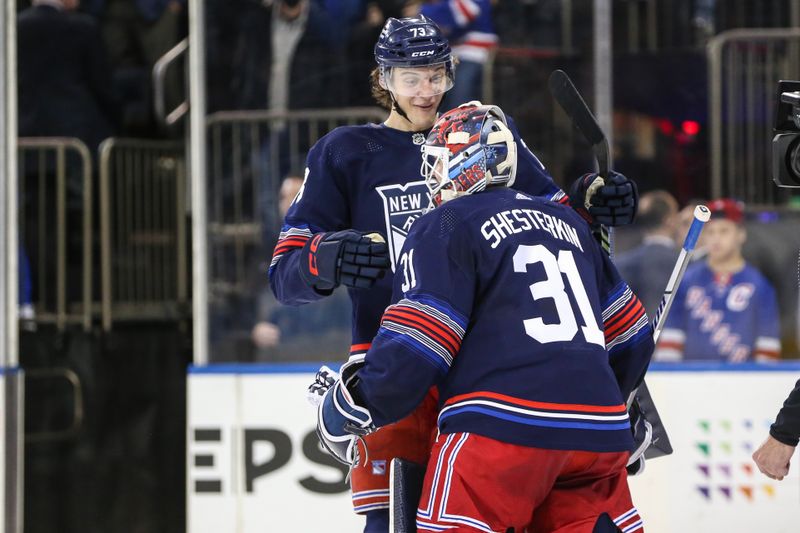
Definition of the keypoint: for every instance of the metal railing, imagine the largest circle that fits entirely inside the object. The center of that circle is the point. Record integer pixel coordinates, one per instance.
(744, 68)
(160, 70)
(52, 375)
(250, 152)
(143, 234)
(56, 178)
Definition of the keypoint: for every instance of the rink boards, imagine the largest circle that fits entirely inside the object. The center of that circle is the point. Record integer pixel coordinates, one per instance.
(253, 464)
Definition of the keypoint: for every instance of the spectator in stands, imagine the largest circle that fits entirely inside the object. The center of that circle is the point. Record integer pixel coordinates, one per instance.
(647, 267)
(468, 25)
(289, 18)
(65, 90)
(64, 84)
(362, 40)
(137, 33)
(312, 332)
(724, 310)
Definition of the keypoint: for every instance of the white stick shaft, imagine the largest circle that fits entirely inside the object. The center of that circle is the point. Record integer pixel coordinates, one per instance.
(701, 216)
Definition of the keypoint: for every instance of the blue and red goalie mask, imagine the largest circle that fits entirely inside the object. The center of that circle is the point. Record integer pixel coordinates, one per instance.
(469, 149)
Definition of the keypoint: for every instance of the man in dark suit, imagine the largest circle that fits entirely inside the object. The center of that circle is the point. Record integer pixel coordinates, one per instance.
(65, 86)
(647, 267)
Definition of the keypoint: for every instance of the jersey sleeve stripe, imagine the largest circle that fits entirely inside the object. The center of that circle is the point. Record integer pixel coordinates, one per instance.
(427, 325)
(288, 244)
(624, 320)
(618, 298)
(395, 333)
(439, 310)
(464, 11)
(360, 348)
(622, 316)
(560, 197)
(633, 335)
(290, 238)
(672, 336)
(422, 331)
(768, 344)
(413, 318)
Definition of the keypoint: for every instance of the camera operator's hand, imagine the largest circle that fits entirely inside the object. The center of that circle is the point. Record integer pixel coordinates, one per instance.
(353, 258)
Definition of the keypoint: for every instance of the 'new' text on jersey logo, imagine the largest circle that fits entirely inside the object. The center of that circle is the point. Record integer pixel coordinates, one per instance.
(402, 205)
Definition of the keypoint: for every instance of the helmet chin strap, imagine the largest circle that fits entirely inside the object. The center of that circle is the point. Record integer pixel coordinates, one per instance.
(396, 107)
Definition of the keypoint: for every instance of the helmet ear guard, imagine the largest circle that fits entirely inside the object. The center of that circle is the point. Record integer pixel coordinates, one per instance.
(507, 169)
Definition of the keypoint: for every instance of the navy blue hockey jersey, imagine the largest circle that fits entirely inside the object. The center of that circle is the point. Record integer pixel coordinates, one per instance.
(508, 304)
(731, 318)
(368, 178)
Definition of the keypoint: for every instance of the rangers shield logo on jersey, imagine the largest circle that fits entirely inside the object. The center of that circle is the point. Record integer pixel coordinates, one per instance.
(402, 205)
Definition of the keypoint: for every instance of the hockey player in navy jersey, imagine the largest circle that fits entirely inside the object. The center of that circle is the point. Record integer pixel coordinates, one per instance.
(508, 304)
(362, 193)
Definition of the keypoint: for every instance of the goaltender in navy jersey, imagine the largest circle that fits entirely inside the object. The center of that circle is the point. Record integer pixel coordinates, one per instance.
(730, 318)
(346, 186)
(498, 291)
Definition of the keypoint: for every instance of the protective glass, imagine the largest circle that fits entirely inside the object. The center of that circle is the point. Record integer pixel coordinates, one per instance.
(430, 80)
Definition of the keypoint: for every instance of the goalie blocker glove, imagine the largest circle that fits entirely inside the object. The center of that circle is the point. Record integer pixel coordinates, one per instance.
(612, 203)
(353, 258)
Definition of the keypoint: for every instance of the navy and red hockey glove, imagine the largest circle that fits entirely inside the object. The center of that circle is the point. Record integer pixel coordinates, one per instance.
(353, 258)
(611, 204)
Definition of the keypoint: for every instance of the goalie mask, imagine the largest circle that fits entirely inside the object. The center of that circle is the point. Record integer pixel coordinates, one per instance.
(468, 149)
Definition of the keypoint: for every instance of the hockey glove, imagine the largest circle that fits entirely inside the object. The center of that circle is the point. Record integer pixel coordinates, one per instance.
(611, 204)
(340, 422)
(325, 379)
(642, 438)
(348, 257)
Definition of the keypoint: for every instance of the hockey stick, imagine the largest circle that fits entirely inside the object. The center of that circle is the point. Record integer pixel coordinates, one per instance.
(660, 442)
(701, 216)
(570, 100)
(405, 490)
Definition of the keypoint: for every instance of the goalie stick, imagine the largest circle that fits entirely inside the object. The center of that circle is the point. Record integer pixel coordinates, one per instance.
(570, 100)
(660, 444)
(701, 216)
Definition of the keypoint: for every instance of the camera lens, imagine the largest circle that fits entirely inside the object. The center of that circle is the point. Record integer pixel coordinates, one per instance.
(793, 156)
